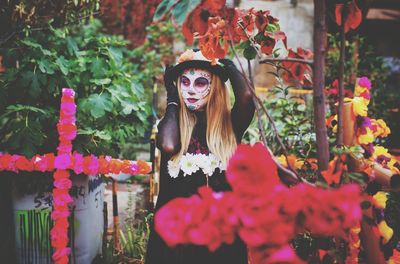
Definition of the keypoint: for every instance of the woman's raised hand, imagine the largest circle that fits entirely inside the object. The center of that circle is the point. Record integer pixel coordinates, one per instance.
(172, 90)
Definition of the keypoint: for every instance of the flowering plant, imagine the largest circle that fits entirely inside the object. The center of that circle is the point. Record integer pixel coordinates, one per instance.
(253, 206)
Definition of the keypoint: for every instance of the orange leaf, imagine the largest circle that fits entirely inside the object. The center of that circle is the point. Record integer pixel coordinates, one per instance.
(354, 16)
(329, 175)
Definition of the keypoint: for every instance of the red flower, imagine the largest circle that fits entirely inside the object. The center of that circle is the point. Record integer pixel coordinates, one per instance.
(24, 164)
(353, 18)
(66, 131)
(173, 219)
(262, 19)
(62, 161)
(196, 23)
(5, 161)
(213, 5)
(251, 170)
(297, 70)
(214, 44)
(143, 167)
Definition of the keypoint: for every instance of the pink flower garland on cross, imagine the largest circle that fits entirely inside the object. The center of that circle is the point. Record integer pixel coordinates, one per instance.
(62, 162)
(264, 213)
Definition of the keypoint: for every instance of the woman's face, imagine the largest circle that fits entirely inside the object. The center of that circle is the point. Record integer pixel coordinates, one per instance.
(195, 88)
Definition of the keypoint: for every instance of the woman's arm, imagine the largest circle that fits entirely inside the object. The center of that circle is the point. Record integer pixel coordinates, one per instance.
(243, 109)
(168, 136)
(168, 140)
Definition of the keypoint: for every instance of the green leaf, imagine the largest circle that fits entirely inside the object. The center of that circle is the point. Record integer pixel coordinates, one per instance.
(249, 53)
(72, 46)
(115, 54)
(45, 66)
(99, 104)
(101, 81)
(34, 90)
(183, 9)
(162, 8)
(63, 64)
(97, 67)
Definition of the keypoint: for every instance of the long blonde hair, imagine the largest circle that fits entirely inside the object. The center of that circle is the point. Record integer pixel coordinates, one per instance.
(221, 139)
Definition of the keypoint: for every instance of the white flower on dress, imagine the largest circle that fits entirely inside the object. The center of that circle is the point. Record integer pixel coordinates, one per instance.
(201, 160)
(212, 164)
(173, 168)
(188, 164)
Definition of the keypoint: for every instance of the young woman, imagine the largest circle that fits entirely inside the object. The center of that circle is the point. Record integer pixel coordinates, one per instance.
(199, 125)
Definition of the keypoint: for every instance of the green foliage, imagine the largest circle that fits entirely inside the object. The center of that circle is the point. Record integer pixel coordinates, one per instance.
(179, 10)
(112, 104)
(292, 116)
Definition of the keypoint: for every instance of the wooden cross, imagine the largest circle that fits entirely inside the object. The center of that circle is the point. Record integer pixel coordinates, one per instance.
(61, 164)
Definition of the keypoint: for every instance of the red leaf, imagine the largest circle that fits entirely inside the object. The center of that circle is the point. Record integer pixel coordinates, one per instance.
(354, 16)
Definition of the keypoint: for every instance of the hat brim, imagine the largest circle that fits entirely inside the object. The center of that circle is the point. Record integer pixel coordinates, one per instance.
(178, 69)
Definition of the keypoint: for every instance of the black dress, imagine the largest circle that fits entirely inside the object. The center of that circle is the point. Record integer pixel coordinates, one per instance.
(184, 186)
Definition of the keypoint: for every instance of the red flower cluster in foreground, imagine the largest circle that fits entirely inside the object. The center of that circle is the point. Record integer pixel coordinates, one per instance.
(263, 212)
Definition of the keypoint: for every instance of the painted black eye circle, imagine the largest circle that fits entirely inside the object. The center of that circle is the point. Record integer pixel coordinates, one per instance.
(201, 82)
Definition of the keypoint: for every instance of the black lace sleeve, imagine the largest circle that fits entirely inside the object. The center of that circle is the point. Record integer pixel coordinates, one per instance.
(243, 109)
(168, 137)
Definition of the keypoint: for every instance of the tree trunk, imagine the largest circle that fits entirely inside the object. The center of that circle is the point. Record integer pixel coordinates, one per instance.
(319, 83)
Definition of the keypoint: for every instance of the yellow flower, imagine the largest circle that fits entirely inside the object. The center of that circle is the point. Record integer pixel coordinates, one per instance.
(383, 129)
(386, 231)
(379, 150)
(391, 164)
(366, 138)
(359, 106)
(380, 199)
(293, 161)
(359, 90)
(282, 160)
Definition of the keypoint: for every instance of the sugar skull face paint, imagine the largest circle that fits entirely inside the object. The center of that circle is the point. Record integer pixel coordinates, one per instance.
(195, 88)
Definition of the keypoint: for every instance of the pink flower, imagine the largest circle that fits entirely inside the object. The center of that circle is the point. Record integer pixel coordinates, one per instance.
(251, 170)
(62, 161)
(285, 254)
(61, 255)
(62, 199)
(90, 165)
(63, 183)
(78, 163)
(365, 82)
(67, 132)
(68, 92)
(68, 109)
(134, 168)
(61, 174)
(65, 147)
(60, 214)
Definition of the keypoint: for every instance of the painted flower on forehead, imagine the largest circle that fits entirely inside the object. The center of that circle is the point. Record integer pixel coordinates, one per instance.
(188, 55)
